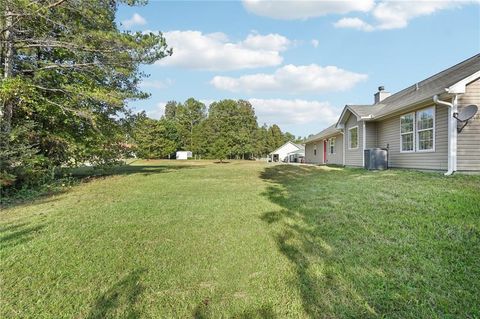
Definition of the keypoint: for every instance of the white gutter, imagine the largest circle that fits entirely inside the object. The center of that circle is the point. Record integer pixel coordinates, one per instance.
(343, 151)
(368, 117)
(452, 132)
(364, 143)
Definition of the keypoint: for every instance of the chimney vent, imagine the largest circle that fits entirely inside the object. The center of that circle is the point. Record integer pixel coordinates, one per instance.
(380, 95)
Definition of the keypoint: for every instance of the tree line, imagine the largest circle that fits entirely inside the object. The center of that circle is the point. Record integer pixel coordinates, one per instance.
(228, 129)
(67, 73)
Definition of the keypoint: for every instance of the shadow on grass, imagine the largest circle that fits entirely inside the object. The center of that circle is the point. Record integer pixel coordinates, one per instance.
(202, 311)
(120, 300)
(15, 234)
(297, 230)
(87, 174)
(92, 172)
(370, 244)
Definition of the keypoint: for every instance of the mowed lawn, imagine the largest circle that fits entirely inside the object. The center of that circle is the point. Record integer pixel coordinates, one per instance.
(163, 239)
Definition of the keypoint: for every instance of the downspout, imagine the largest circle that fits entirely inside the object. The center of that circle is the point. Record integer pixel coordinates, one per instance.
(343, 148)
(364, 143)
(452, 132)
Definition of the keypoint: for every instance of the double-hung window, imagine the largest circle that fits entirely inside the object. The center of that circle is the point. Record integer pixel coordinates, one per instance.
(353, 137)
(332, 145)
(407, 126)
(425, 129)
(417, 131)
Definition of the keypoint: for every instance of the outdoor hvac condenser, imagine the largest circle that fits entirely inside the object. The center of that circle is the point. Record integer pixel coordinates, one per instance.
(376, 158)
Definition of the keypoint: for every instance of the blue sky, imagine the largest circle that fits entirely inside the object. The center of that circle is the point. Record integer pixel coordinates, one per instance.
(300, 62)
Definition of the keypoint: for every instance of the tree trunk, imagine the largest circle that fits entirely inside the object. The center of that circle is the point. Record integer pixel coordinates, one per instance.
(7, 107)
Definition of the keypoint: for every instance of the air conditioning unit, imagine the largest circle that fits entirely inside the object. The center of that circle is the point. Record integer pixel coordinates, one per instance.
(376, 158)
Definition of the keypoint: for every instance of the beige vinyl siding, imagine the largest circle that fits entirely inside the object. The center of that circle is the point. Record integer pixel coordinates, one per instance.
(468, 147)
(337, 157)
(388, 134)
(371, 134)
(309, 153)
(353, 157)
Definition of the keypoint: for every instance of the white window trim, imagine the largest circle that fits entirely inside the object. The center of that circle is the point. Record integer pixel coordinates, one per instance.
(413, 132)
(432, 150)
(334, 139)
(349, 139)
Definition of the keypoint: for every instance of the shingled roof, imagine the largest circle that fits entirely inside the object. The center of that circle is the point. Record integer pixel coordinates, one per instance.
(418, 92)
(329, 131)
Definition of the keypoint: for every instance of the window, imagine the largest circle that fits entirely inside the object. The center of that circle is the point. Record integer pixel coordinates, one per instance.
(332, 145)
(315, 150)
(407, 132)
(417, 131)
(353, 137)
(425, 129)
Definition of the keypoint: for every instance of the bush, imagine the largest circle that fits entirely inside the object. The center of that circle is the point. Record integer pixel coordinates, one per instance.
(20, 164)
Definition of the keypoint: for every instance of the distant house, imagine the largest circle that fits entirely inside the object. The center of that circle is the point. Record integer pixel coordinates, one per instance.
(422, 127)
(282, 153)
(296, 156)
(183, 155)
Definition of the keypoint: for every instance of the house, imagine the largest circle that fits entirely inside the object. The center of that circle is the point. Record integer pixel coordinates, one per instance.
(297, 156)
(282, 153)
(325, 147)
(418, 125)
(183, 155)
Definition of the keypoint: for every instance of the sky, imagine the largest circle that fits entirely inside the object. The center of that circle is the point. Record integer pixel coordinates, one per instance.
(299, 62)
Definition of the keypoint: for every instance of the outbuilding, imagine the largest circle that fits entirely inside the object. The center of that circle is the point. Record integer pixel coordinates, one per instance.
(183, 155)
(281, 153)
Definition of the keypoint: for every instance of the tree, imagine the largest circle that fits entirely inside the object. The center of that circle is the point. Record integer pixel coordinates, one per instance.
(171, 110)
(189, 115)
(67, 71)
(155, 138)
(220, 148)
(275, 137)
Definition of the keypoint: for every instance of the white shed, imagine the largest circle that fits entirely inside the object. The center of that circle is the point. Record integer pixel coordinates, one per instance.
(281, 153)
(183, 155)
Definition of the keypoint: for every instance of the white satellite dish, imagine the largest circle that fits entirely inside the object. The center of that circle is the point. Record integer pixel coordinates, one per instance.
(465, 114)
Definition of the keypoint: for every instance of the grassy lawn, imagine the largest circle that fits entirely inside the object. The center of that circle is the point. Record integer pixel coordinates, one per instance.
(163, 239)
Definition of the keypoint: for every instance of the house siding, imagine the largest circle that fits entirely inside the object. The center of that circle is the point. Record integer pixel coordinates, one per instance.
(371, 134)
(337, 157)
(309, 153)
(353, 157)
(468, 141)
(388, 135)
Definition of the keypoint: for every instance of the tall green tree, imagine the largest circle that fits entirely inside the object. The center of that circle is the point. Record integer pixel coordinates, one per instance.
(68, 71)
(171, 110)
(275, 137)
(155, 138)
(189, 115)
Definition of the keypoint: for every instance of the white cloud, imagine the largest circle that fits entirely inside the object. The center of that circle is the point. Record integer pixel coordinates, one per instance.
(135, 20)
(156, 84)
(315, 43)
(158, 111)
(272, 42)
(288, 112)
(304, 9)
(214, 51)
(396, 14)
(292, 79)
(353, 23)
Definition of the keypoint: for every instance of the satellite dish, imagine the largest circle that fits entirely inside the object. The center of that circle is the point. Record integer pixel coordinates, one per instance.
(465, 114)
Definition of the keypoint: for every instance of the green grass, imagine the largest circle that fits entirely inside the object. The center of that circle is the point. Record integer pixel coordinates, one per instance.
(163, 239)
